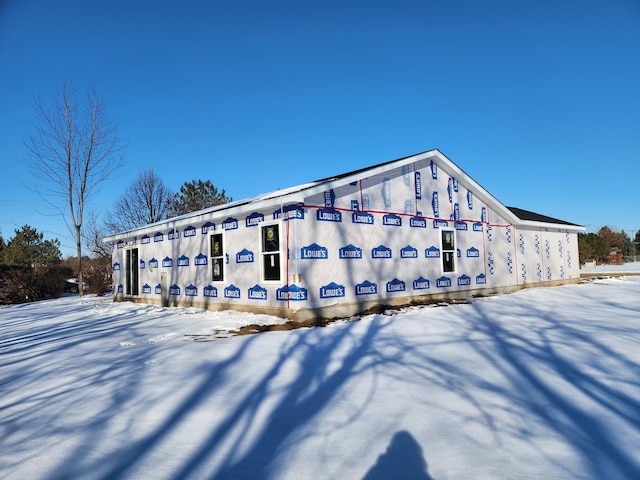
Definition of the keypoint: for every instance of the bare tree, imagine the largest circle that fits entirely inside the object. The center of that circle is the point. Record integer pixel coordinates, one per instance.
(146, 200)
(73, 149)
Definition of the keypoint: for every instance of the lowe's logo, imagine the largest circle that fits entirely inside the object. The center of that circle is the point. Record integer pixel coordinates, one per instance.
(314, 251)
(173, 234)
(418, 186)
(232, 292)
(291, 292)
(183, 261)
(329, 198)
(290, 212)
(366, 288)
(230, 224)
(443, 282)
(440, 223)
(146, 288)
(257, 293)
(191, 290)
(328, 215)
(244, 256)
(189, 232)
(392, 220)
(434, 170)
(418, 222)
(434, 205)
(362, 217)
(421, 283)
(469, 200)
(381, 252)
(473, 252)
(332, 290)
(461, 226)
(408, 252)
(200, 259)
(210, 291)
(477, 227)
(145, 239)
(395, 285)
(432, 252)
(254, 219)
(481, 279)
(174, 290)
(464, 280)
(350, 251)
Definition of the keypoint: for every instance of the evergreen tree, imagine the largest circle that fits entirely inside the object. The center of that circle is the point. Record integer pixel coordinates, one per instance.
(197, 195)
(29, 249)
(592, 246)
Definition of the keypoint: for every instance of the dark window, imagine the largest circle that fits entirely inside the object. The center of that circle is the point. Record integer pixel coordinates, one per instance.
(217, 258)
(448, 251)
(271, 252)
(131, 272)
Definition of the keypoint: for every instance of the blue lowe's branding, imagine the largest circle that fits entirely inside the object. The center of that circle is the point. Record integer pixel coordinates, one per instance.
(244, 256)
(456, 211)
(365, 201)
(173, 234)
(440, 224)
(434, 170)
(183, 261)
(432, 252)
(469, 200)
(408, 252)
(257, 293)
(461, 226)
(120, 244)
(481, 279)
(366, 288)
(381, 252)
(158, 237)
(477, 227)
(232, 292)
(443, 282)
(116, 266)
(332, 290)
(473, 252)
(386, 192)
(355, 205)
(254, 219)
(191, 290)
(455, 185)
(349, 252)
(450, 189)
(483, 215)
(392, 220)
(230, 224)
(210, 291)
(158, 289)
(292, 292)
(434, 205)
(141, 264)
(167, 262)
(145, 239)
(418, 222)
(395, 285)
(408, 207)
(291, 212)
(189, 232)
(314, 251)
(362, 217)
(174, 290)
(146, 288)
(153, 263)
(208, 227)
(329, 198)
(464, 280)
(421, 283)
(328, 215)
(418, 185)
(200, 259)
(120, 288)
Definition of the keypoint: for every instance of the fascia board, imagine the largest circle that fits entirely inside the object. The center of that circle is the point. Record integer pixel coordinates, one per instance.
(558, 226)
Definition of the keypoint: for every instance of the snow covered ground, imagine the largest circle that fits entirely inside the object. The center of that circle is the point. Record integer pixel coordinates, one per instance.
(539, 384)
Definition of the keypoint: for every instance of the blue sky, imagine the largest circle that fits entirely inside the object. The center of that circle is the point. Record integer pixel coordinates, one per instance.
(538, 101)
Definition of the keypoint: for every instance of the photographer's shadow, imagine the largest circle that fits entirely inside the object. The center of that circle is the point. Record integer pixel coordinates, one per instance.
(403, 459)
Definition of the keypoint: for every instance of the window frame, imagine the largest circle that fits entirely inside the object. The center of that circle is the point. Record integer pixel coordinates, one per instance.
(217, 259)
(132, 272)
(450, 250)
(278, 254)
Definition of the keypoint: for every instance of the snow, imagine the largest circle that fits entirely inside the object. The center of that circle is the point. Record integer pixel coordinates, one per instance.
(542, 383)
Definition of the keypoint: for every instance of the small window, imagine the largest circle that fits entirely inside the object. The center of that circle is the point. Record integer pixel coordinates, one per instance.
(217, 258)
(448, 251)
(271, 252)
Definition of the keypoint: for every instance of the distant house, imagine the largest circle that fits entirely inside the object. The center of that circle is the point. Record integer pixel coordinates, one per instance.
(405, 231)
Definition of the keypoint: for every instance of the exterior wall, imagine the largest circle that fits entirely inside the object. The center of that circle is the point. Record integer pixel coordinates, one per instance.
(374, 241)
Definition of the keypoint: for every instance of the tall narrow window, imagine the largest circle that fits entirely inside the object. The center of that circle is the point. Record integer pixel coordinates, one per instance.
(448, 251)
(131, 272)
(271, 252)
(217, 258)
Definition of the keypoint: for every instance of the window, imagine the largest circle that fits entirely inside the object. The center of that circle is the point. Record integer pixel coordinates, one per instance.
(448, 251)
(270, 252)
(217, 258)
(131, 272)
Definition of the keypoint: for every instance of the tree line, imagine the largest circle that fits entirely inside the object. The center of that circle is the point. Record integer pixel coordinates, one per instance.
(73, 148)
(608, 246)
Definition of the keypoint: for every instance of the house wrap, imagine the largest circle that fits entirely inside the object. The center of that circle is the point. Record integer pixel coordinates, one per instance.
(412, 230)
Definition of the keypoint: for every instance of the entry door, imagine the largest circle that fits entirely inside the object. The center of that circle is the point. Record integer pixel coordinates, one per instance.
(132, 266)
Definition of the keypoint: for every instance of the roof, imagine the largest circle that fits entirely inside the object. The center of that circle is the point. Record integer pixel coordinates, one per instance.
(297, 194)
